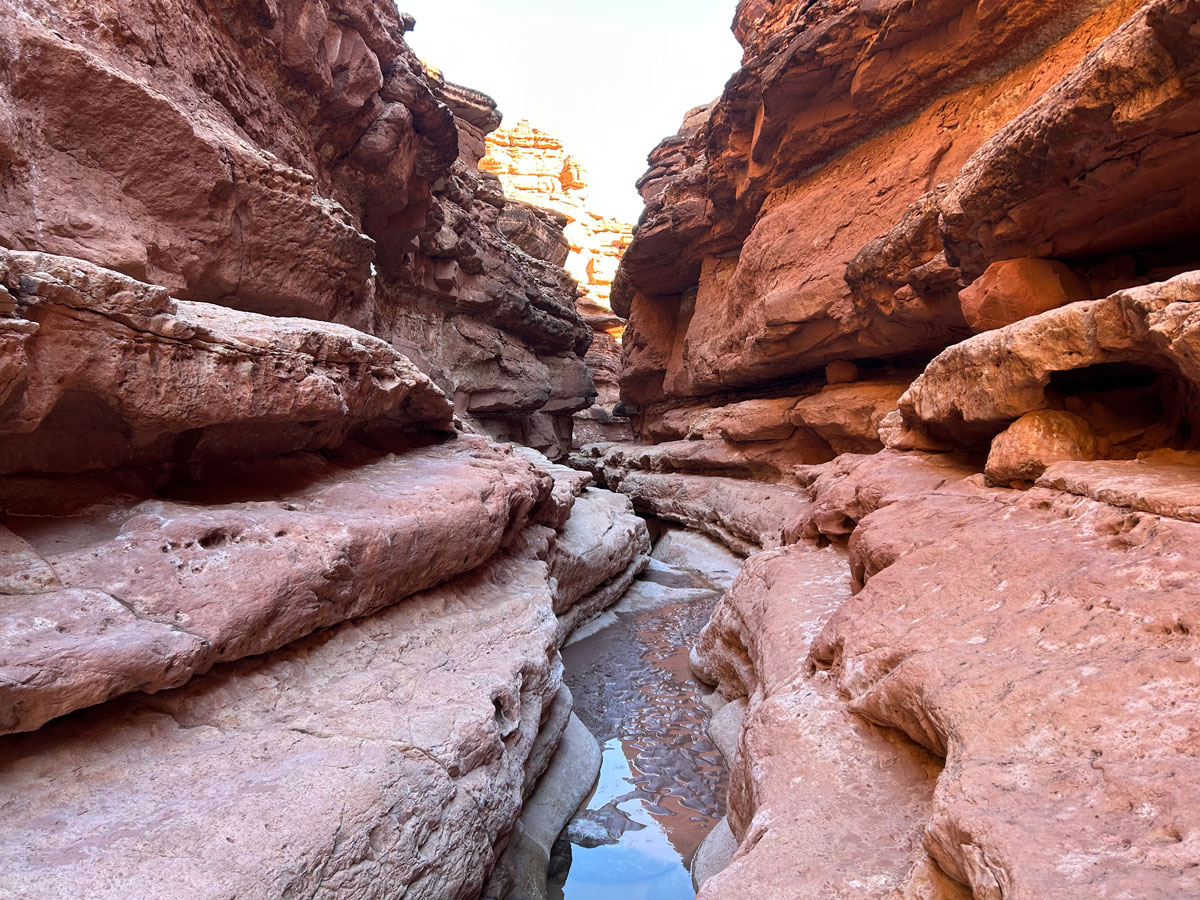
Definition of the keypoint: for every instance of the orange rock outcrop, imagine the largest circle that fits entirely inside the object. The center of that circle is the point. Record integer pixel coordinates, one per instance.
(924, 283)
(535, 169)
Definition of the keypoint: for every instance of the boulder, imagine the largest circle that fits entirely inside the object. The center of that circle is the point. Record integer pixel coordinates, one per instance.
(1014, 289)
(1037, 440)
(847, 416)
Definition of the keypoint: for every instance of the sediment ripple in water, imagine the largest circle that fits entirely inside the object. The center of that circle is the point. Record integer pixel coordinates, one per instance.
(662, 783)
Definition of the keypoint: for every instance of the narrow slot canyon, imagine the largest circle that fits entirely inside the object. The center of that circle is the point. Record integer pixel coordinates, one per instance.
(463, 491)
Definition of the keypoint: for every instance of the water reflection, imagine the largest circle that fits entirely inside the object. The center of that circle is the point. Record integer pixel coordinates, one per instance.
(662, 782)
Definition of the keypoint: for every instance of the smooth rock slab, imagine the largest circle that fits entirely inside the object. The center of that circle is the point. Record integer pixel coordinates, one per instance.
(1047, 645)
(1153, 484)
(166, 589)
(381, 758)
(745, 516)
(113, 372)
(824, 804)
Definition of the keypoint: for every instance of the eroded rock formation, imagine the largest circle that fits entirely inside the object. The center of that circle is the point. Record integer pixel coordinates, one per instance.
(277, 617)
(912, 325)
(968, 233)
(535, 169)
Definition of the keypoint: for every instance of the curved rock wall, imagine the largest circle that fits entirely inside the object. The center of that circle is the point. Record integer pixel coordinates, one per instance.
(966, 232)
(273, 620)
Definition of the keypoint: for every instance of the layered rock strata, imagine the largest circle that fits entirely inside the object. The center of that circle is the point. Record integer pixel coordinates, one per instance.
(966, 234)
(273, 621)
(535, 170)
(297, 161)
(462, 570)
(867, 115)
(1040, 677)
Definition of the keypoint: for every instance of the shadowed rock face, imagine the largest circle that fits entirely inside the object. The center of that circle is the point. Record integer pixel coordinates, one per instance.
(294, 160)
(835, 199)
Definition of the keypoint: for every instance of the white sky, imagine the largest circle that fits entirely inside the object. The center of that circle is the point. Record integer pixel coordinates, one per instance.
(609, 78)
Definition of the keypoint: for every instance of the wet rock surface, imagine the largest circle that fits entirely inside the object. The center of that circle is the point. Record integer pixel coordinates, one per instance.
(662, 783)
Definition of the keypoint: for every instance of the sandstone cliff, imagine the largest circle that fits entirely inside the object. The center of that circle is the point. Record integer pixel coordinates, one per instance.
(968, 232)
(273, 621)
(536, 170)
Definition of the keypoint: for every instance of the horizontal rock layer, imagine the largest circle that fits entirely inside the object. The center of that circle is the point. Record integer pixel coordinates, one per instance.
(405, 740)
(832, 204)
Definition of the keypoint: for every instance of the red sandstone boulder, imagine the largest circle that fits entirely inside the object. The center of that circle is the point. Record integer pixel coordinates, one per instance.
(1014, 289)
(1037, 440)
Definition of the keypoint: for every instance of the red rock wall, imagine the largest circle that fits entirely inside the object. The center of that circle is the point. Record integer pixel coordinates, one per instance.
(868, 163)
(293, 160)
(276, 622)
(535, 169)
(969, 233)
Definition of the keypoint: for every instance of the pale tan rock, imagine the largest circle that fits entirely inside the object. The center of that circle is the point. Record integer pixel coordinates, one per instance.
(1037, 440)
(535, 168)
(1014, 289)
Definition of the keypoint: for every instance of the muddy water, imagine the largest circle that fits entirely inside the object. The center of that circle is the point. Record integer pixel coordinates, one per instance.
(662, 782)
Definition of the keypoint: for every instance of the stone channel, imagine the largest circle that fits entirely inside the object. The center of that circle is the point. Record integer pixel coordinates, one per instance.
(662, 782)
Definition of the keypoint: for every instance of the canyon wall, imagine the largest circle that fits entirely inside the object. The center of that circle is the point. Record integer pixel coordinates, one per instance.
(289, 161)
(921, 284)
(547, 182)
(277, 617)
